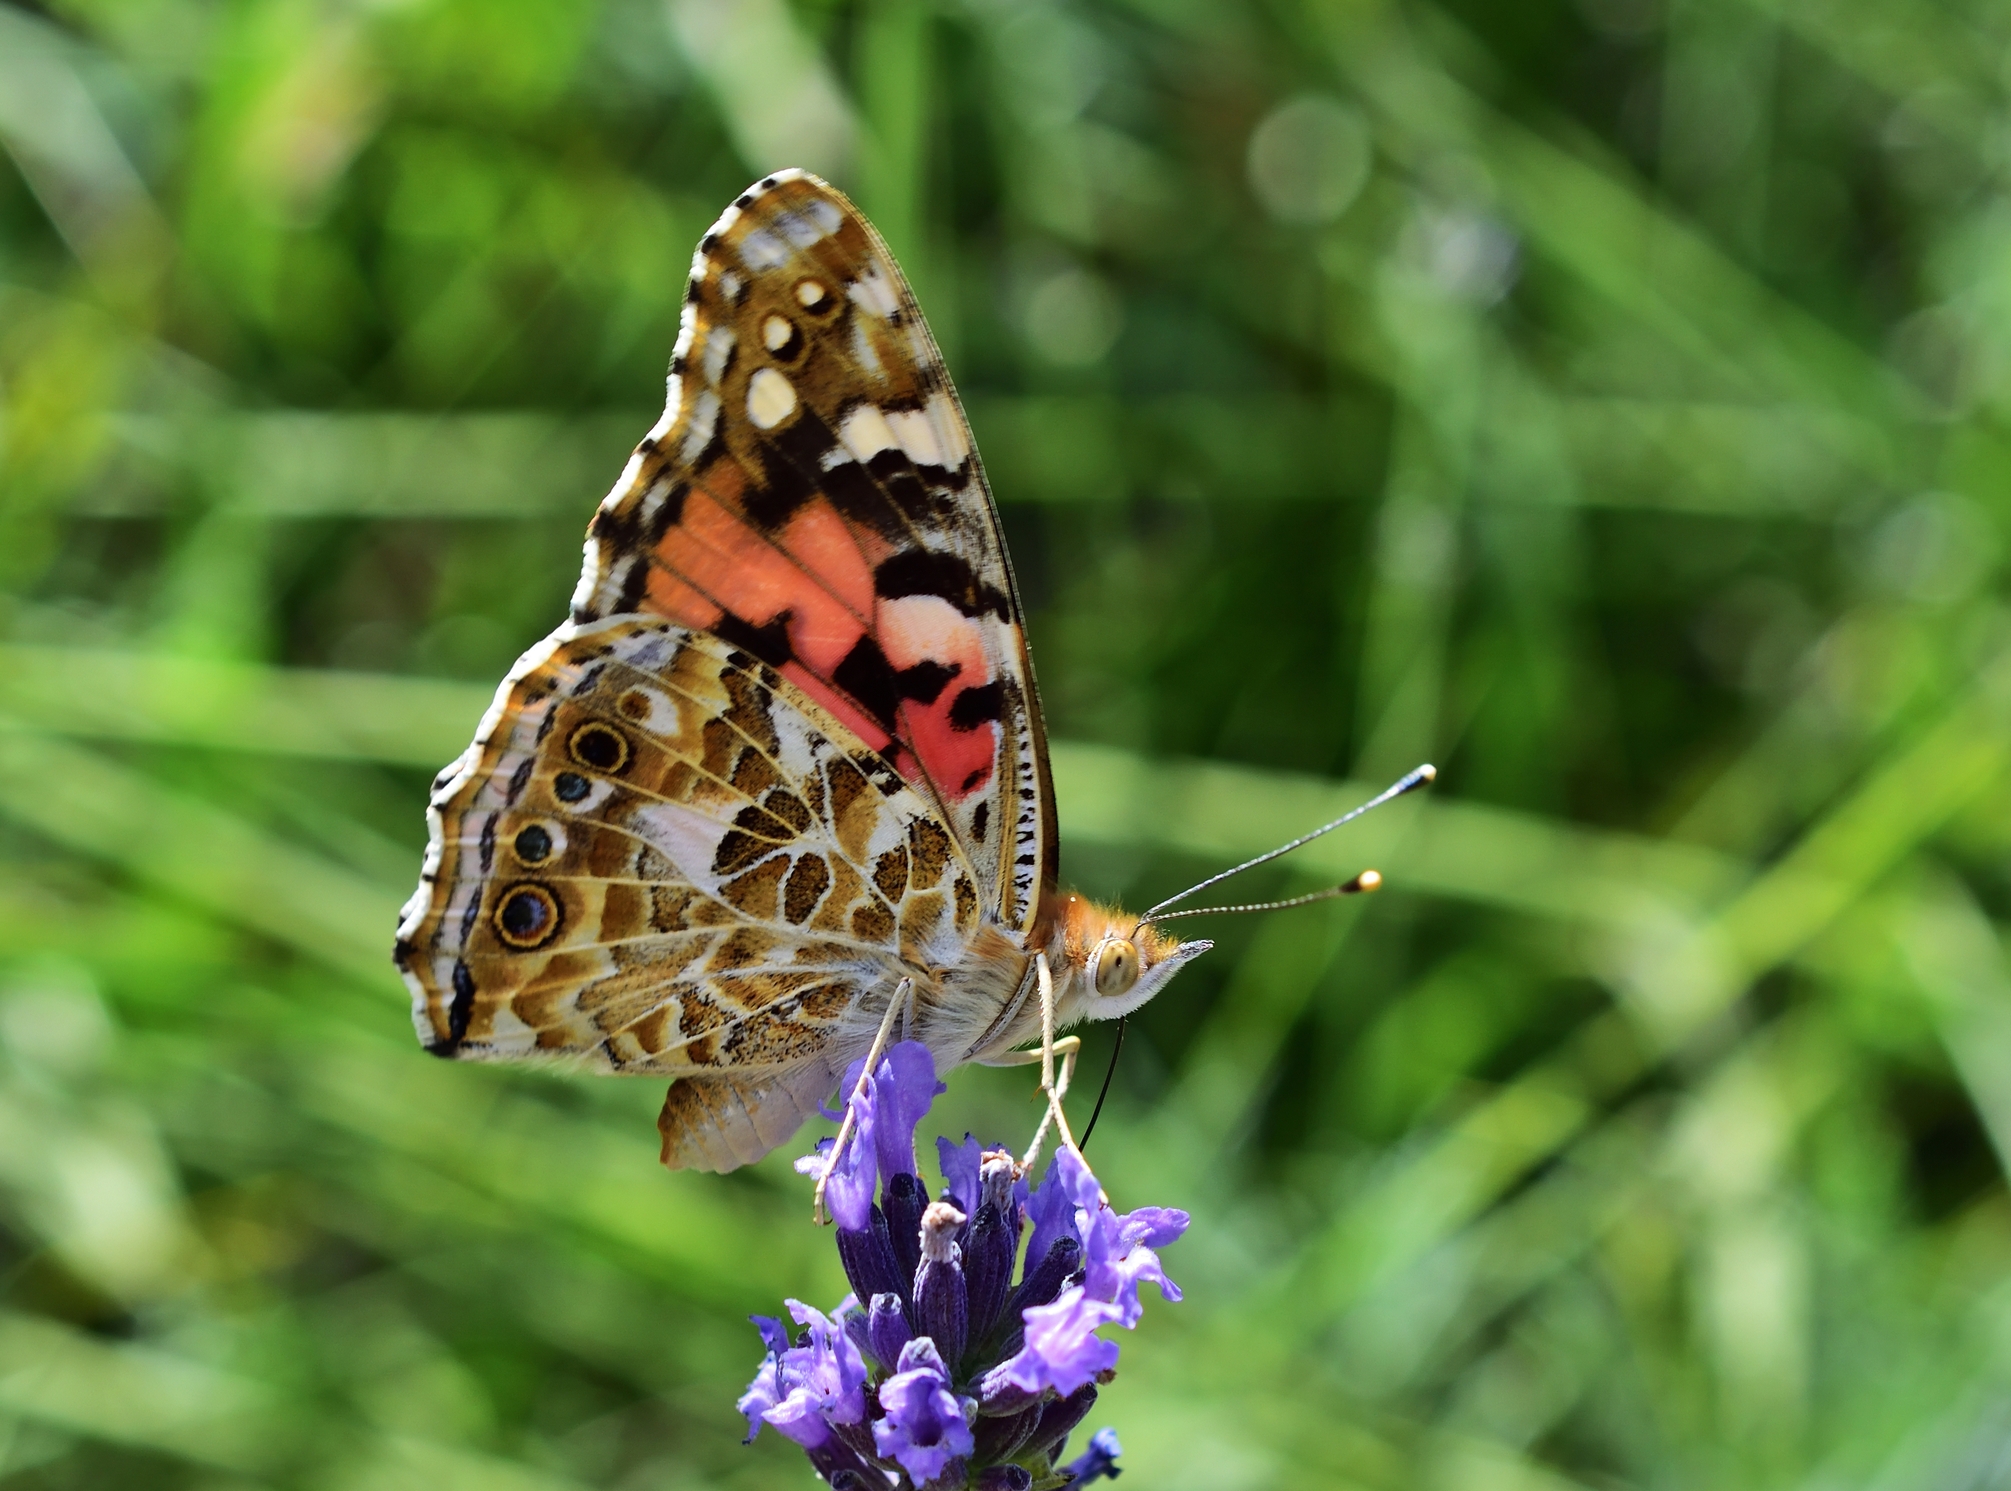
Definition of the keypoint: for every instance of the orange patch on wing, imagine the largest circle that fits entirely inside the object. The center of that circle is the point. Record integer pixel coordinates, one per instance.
(919, 627)
(819, 540)
(669, 596)
(718, 552)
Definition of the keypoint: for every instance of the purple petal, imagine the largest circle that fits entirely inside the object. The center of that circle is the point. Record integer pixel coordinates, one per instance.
(1081, 1186)
(848, 1194)
(925, 1425)
(774, 1335)
(762, 1394)
(1113, 1266)
(904, 1085)
(829, 1371)
(960, 1164)
(800, 1417)
(1062, 1350)
(1051, 1213)
(1155, 1226)
(1117, 1256)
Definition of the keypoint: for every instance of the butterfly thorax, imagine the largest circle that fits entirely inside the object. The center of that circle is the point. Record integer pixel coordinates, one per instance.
(1103, 964)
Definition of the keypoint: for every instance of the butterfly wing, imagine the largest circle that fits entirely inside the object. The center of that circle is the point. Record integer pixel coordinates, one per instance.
(812, 495)
(659, 855)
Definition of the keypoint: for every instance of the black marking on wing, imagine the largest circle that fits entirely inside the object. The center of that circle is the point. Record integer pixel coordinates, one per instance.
(519, 779)
(868, 677)
(980, 704)
(768, 642)
(459, 1010)
(933, 572)
(787, 483)
(926, 680)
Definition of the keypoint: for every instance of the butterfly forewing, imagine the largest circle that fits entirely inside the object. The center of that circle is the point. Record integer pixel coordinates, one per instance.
(812, 496)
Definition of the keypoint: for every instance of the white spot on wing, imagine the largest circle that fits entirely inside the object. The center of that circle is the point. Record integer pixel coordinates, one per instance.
(949, 429)
(771, 398)
(825, 214)
(917, 437)
(866, 433)
(688, 838)
(874, 291)
(761, 250)
(652, 500)
(775, 332)
(799, 229)
(704, 421)
(864, 353)
(718, 348)
(810, 294)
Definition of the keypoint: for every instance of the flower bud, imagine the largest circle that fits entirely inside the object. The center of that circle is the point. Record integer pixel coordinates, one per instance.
(941, 1299)
(999, 1395)
(1000, 1436)
(887, 1329)
(1042, 1283)
(904, 1201)
(869, 1259)
(1061, 1416)
(994, 1237)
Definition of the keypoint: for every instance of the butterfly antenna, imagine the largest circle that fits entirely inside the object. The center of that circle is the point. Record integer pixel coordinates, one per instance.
(1368, 880)
(1409, 782)
(1103, 1092)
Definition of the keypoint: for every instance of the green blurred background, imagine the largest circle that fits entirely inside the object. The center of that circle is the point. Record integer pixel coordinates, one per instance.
(1605, 399)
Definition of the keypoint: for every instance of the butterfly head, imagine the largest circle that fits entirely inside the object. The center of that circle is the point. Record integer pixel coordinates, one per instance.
(1113, 964)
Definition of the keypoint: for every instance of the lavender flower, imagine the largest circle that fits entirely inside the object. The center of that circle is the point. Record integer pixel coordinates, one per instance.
(926, 1426)
(950, 1375)
(810, 1393)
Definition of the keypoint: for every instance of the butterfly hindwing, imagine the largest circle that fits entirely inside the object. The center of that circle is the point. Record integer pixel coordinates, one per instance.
(811, 495)
(660, 856)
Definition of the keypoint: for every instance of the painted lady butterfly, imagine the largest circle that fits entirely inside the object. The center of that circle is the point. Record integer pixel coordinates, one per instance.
(786, 756)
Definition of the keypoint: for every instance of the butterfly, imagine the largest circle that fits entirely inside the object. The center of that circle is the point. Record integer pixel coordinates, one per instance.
(784, 760)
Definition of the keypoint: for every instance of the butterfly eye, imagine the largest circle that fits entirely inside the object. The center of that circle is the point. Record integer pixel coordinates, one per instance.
(1113, 967)
(600, 747)
(527, 916)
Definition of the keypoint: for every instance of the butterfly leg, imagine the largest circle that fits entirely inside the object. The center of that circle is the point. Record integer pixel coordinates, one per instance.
(899, 1002)
(1053, 1053)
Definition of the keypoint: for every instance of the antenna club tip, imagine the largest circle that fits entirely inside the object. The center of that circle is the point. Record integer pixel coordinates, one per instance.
(1427, 773)
(1368, 880)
